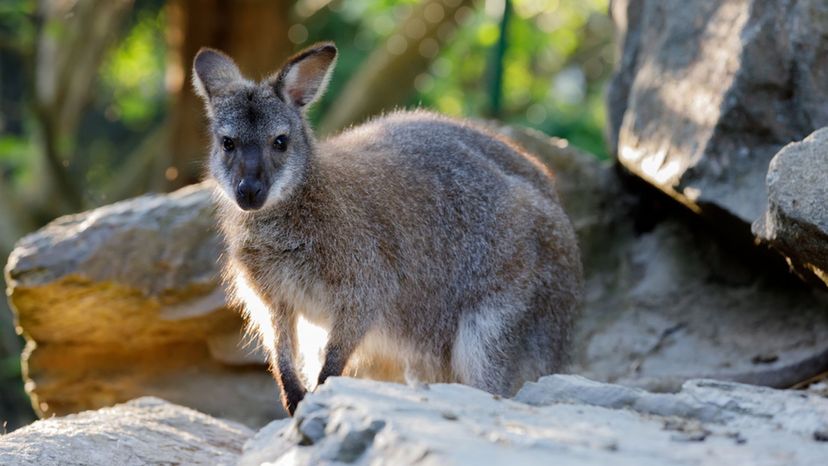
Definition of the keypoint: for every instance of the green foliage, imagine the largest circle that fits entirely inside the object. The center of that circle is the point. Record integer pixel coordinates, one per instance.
(130, 101)
(10, 368)
(133, 74)
(557, 61)
(17, 33)
(549, 81)
(357, 27)
(15, 154)
(17, 29)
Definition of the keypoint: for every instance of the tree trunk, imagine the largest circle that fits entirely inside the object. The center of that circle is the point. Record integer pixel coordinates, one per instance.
(253, 32)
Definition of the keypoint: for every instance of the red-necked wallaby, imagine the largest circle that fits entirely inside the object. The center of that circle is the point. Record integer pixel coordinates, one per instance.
(424, 246)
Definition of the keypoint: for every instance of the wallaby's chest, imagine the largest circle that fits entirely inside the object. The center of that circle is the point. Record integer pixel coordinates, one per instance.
(270, 254)
(287, 267)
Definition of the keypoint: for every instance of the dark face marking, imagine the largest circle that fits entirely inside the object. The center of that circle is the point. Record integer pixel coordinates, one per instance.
(252, 114)
(251, 191)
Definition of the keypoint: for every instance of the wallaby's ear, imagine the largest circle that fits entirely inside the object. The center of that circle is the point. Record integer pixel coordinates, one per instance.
(213, 73)
(304, 76)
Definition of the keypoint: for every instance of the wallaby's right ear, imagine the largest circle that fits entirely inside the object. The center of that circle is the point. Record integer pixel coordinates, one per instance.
(213, 73)
(305, 75)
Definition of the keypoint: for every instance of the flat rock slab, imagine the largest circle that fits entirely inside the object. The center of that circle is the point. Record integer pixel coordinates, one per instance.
(560, 420)
(796, 222)
(143, 431)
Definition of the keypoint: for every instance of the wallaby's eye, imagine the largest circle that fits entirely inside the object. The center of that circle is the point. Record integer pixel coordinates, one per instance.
(280, 143)
(227, 144)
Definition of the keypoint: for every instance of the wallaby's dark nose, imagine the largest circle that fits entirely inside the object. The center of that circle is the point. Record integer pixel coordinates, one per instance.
(249, 194)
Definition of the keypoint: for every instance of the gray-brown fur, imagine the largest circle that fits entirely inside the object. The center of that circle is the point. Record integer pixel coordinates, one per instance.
(425, 246)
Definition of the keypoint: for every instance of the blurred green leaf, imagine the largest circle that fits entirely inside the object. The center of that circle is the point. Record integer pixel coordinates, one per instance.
(134, 72)
(17, 28)
(545, 84)
(10, 368)
(16, 153)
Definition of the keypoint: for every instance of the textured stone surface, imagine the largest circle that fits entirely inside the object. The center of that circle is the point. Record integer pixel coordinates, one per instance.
(796, 222)
(561, 419)
(143, 431)
(676, 302)
(708, 91)
(704, 400)
(681, 306)
(124, 301)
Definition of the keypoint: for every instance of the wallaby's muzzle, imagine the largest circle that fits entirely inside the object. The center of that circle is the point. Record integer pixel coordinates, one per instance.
(250, 194)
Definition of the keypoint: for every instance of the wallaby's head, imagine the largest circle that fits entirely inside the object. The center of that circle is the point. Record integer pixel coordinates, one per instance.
(261, 141)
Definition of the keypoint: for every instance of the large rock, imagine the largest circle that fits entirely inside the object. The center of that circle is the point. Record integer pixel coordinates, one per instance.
(796, 222)
(559, 420)
(708, 91)
(676, 302)
(143, 431)
(125, 301)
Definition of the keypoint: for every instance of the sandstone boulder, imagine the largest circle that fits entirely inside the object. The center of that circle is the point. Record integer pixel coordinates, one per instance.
(796, 222)
(143, 431)
(708, 91)
(124, 301)
(559, 420)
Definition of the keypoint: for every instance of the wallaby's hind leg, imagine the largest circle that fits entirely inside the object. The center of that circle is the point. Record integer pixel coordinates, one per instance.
(488, 348)
(347, 331)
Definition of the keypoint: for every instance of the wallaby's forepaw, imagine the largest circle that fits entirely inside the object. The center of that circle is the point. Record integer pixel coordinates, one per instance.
(291, 399)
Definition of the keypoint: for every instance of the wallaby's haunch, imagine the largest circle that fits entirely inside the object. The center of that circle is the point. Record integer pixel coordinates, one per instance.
(425, 247)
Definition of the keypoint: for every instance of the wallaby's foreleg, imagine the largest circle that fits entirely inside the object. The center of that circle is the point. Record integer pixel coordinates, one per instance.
(283, 359)
(343, 339)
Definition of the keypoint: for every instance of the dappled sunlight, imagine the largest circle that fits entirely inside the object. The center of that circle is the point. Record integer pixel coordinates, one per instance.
(256, 312)
(312, 340)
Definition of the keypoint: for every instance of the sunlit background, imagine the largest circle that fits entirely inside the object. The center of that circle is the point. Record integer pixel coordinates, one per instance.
(96, 106)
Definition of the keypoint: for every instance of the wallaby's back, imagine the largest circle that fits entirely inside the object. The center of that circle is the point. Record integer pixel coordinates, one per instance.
(473, 242)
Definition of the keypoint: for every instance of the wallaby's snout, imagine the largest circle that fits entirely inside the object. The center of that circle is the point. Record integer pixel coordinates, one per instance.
(249, 194)
(251, 190)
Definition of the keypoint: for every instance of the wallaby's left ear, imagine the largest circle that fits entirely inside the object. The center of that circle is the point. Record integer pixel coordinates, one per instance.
(304, 76)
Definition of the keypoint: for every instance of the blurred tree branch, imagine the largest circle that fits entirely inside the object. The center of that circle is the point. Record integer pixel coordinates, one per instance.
(386, 79)
(496, 65)
(143, 168)
(72, 40)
